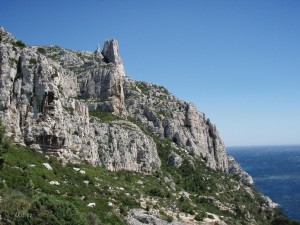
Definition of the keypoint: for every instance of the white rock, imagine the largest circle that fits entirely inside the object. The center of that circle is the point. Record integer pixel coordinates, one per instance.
(270, 202)
(143, 204)
(184, 194)
(140, 182)
(86, 181)
(82, 171)
(47, 166)
(91, 205)
(111, 52)
(56, 183)
(76, 169)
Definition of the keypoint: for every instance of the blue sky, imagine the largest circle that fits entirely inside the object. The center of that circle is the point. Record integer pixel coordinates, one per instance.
(238, 61)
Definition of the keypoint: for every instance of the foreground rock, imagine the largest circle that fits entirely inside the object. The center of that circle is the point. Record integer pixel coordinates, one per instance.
(141, 217)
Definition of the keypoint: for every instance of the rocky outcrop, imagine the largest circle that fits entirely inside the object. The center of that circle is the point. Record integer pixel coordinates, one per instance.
(179, 121)
(97, 53)
(174, 159)
(236, 169)
(48, 92)
(141, 217)
(104, 85)
(111, 55)
(121, 145)
(41, 107)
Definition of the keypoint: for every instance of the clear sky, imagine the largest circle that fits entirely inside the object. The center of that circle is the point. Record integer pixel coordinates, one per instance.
(238, 61)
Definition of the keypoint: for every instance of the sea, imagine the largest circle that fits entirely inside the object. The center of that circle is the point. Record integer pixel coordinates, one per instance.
(276, 173)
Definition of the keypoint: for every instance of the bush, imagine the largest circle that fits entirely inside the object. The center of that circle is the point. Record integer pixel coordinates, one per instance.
(185, 206)
(156, 192)
(92, 219)
(200, 216)
(5, 144)
(32, 61)
(19, 44)
(41, 50)
(123, 210)
(128, 201)
(50, 210)
(192, 177)
(13, 205)
(166, 216)
(210, 216)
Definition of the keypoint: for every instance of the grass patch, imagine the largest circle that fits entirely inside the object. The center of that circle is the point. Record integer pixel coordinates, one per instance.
(104, 116)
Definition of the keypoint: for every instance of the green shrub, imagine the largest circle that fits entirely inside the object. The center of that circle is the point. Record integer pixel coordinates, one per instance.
(51, 210)
(185, 206)
(156, 192)
(165, 216)
(128, 201)
(5, 144)
(19, 44)
(210, 216)
(12, 62)
(200, 216)
(70, 110)
(92, 219)
(123, 210)
(113, 220)
(143, 87)
(14, 204)
(41, 50)
(32, 61)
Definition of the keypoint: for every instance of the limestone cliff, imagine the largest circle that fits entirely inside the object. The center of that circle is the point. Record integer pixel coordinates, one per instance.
(174, 119)
(48, 93)
(81, 107)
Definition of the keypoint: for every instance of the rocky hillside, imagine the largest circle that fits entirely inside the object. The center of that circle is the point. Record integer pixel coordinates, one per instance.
(81, 107)
(50, 97)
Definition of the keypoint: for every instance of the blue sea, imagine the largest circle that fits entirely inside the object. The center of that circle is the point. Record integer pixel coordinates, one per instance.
(276, 173)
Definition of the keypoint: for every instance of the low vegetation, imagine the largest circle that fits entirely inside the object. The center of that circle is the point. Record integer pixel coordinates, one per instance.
(103, 116)
(19, 44)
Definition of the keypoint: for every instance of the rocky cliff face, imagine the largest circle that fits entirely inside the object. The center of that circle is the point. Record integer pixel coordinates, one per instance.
(49, 96)
(81, 107)
(179, 121)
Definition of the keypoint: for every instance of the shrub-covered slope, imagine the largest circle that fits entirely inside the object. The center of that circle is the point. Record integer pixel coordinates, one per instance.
(38, 189)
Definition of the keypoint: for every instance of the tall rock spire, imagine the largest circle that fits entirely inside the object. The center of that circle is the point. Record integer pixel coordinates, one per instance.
(111, 55)
(98, 50)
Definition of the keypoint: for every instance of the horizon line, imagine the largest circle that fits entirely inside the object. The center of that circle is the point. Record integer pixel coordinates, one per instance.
(262, 145)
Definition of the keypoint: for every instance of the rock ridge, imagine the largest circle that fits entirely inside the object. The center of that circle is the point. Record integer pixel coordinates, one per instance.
(49, 97)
